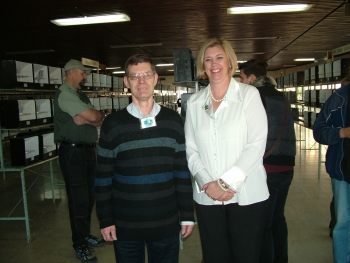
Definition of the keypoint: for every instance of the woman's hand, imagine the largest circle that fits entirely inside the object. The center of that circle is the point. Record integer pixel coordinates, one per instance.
(214, 191)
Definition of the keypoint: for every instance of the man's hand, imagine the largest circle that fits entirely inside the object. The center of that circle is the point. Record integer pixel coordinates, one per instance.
(344, 132)
(186, 230)
(78, 120)
(109, 233)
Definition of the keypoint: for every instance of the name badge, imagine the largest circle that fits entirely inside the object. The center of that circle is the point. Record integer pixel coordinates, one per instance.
(148, 122)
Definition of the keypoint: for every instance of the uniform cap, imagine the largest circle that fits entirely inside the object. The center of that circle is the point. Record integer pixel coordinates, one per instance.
(73, 64)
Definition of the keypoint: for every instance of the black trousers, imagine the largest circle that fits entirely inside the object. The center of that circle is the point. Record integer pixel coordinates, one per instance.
(232, 233)
(275, 243)
(78, 166)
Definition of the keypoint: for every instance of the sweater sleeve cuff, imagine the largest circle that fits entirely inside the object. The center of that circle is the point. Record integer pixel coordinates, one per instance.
(106, 223)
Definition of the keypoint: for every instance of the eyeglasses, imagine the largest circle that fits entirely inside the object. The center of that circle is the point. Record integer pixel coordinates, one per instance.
(145, 75)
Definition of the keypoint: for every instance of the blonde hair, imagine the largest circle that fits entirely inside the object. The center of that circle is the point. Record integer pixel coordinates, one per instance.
(226, 46)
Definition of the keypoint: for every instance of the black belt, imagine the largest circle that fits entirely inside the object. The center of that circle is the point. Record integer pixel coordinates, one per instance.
(79, 145)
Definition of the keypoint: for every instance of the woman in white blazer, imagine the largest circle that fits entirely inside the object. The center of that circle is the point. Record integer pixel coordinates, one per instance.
(226, 130)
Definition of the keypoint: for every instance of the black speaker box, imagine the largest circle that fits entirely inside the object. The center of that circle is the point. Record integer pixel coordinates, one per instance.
(184, 65)
(24, 150)
(16, 74)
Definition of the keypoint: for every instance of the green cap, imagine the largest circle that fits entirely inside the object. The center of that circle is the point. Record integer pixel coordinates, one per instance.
(73, 64)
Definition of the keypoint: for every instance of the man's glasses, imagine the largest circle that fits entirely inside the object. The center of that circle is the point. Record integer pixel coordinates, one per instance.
(145, 75)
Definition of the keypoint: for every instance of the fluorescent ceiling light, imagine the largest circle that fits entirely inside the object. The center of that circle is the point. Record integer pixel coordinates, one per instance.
(118, 72)
(304, 59)
(91, 20)
(137, 45)
(170, 70)
(112, 67)
(165, 65)
(241, 61)
(267, 9)
(30, 52)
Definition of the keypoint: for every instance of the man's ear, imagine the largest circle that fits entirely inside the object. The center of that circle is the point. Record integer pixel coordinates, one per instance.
(253, 77)
(125, 79)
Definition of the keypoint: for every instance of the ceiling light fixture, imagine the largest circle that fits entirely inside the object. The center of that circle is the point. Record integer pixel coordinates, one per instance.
(165, 65)
(267, 9)
(137, 45)
(304, 59)
(112, 67)
(170, 70)
(118, 72)
(30, 52)
(118, 17)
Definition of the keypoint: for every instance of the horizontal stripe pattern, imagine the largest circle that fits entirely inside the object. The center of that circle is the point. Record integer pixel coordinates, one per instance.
(143, 185)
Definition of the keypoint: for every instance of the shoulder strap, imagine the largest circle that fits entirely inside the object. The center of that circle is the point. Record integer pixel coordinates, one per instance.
(281, 131)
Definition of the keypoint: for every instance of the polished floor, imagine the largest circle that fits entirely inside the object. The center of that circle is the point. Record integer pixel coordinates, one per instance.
(307, 213)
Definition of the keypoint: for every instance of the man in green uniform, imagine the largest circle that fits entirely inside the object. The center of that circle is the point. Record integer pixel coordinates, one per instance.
(75, 122)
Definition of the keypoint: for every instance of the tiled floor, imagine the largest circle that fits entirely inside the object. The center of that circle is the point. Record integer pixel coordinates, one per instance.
(307, 213)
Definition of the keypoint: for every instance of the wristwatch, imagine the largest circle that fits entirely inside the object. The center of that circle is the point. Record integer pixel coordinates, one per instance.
(223, 185)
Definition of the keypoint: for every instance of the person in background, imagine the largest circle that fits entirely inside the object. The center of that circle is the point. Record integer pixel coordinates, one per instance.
(279, 158)
(143, 186)
(226, 130)
(75, 123)
(332, 128)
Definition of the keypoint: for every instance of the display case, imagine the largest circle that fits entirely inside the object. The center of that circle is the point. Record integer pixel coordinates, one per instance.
(307, 77)
(17, 113)
(109, 105)
(328, 68)
(55, 77)
(41, 76)
(43, 111)
(16, 74)
(24, 150)
(96, 81)
(314, 75)
(115, 101)
(103, 81)
(341, 68)
(321, 73)
(109, 82)
(88, 84)
(47, 145)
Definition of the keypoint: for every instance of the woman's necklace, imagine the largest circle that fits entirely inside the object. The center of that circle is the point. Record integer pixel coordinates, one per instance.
(211, 95)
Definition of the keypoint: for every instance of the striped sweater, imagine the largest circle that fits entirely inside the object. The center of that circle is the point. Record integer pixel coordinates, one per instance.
(143, 185)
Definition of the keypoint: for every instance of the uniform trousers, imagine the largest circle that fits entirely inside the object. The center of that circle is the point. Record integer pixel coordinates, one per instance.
(78, 166)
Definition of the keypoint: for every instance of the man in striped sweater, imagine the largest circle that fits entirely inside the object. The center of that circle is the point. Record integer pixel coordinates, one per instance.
(143, 185)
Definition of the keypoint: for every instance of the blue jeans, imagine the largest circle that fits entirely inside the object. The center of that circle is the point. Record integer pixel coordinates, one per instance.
(341, 231)
(78, 167)
(159, 251)
(275, 242)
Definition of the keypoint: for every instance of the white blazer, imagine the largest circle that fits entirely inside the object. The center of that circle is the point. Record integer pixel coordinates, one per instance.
(228, 144)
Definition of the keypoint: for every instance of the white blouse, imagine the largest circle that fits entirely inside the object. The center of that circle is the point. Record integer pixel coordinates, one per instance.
(228, 144)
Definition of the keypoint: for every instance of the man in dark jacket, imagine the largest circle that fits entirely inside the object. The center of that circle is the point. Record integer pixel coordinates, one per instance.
(332, 128)
(279, 158)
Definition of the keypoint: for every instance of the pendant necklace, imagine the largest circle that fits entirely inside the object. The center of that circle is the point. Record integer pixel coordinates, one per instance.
(211, 95)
